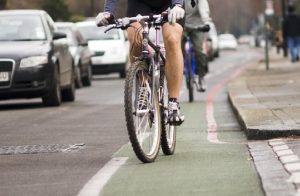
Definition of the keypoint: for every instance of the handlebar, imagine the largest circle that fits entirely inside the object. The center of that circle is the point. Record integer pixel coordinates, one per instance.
(204, 28)
(124, 23)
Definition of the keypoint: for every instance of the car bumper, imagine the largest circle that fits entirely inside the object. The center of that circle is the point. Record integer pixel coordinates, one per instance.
(107, 68)
(27, 83)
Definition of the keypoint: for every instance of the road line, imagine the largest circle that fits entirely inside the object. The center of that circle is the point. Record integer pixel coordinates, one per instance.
(212, 131)
(94, 186)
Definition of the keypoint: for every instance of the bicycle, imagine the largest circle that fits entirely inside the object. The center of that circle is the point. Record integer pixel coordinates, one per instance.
(146, 95)
(190, 65)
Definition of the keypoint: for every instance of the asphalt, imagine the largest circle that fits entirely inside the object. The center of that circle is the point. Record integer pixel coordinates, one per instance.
(267, 101)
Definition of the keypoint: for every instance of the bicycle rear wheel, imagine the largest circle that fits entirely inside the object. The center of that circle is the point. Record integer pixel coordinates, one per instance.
(143, 123)
(190, 79)
(168, 132)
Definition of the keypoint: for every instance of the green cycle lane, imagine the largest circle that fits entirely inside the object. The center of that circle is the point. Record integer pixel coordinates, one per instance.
(198, 167)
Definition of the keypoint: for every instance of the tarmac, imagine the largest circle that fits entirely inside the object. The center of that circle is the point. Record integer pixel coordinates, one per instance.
(267, 101)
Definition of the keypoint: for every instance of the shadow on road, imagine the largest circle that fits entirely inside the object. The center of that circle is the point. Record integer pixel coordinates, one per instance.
(20, 105)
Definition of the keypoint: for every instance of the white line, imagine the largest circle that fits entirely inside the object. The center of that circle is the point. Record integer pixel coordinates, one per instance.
(94, 186)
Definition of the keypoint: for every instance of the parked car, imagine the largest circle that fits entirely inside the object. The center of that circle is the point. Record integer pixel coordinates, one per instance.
(227, 41)
(213, 36)
(109, 50)
(245, 39)
(207, 47)
(33, 63)
(81, 54)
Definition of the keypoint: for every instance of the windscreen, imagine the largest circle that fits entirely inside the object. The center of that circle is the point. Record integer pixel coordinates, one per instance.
(92, 32)
(21, 28)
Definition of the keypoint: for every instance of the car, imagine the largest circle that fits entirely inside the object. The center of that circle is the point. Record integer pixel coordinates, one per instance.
(109, 50)
(213, 37)
(245, 39)
(81, 54)
(207, 47)
(227, 41)
(33, 63)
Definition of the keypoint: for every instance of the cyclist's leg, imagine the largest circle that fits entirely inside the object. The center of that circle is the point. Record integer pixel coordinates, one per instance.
(197, 40)
(134, 8)
(135, 38)
(174, 68)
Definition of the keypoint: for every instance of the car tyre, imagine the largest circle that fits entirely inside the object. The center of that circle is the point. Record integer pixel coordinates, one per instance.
(78, 82)
(68, 94)
(87, 80)
(53, 97)
(126, 67)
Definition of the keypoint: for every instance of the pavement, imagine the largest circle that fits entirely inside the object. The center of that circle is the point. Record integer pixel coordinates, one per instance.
(267, 102)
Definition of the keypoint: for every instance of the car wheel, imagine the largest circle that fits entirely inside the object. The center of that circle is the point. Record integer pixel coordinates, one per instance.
(123, 72)
(68, 94)
(87, 80)
(78, 81)
(53, 97)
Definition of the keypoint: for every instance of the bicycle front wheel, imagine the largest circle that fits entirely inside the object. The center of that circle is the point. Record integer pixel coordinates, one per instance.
(142, 113)
(168, 132)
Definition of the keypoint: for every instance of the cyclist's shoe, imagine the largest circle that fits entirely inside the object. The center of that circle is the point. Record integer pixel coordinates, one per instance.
(202, 84)
(174, 116)
(142, 102)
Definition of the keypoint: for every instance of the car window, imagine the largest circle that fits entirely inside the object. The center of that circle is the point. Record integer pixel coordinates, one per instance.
(50, 23)
(21, 28)
(92, 32)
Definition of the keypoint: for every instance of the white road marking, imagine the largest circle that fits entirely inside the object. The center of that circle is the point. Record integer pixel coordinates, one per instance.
(94, 186)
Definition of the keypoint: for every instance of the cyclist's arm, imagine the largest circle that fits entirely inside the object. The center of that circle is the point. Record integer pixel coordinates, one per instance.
(177, 2)
(204, 11)
(110, 6)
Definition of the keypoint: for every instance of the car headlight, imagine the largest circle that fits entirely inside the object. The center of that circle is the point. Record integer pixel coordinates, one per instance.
(34, 61)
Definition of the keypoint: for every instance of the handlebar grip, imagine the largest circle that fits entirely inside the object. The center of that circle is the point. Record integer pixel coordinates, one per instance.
(204, 28)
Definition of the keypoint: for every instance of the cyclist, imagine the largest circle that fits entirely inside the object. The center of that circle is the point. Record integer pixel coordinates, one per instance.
(172, 33)
(197, 15)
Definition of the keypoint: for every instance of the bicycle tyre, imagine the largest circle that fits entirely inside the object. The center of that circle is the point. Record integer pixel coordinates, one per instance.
(134, 121)
(168, 132)
(190, 80)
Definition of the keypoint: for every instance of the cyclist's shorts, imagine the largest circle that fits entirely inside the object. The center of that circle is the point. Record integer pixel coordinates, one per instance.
(146, 7)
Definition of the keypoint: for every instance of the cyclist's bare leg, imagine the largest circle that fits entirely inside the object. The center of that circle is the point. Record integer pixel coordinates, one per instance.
(174, 70)
(135, 39)
(174, 59)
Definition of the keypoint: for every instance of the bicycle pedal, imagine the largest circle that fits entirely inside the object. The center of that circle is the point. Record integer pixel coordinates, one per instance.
(176, 123)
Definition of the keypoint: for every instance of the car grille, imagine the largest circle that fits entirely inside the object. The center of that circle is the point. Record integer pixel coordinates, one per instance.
(6, 65)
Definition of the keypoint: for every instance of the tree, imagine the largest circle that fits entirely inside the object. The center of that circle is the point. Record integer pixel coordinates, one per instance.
(3, 4)
(57, 9)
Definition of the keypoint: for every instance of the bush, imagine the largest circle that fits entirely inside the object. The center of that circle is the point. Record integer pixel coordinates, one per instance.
(57, 9)
(77, 18)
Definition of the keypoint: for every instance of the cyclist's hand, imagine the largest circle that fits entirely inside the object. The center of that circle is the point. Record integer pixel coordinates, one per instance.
(104, 19)
(176, 13)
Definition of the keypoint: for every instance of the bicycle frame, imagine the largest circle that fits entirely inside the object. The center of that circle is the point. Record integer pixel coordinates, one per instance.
(189, 50)
(147, 123)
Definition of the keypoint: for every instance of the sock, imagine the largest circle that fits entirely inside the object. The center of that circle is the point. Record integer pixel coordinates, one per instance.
(172, 99)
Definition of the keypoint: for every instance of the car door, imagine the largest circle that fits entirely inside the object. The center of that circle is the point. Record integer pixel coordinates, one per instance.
(61, 52)
(84, 52)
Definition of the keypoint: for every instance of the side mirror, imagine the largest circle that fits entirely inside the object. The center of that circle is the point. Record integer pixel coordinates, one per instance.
(84, 44)
(59, 35)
